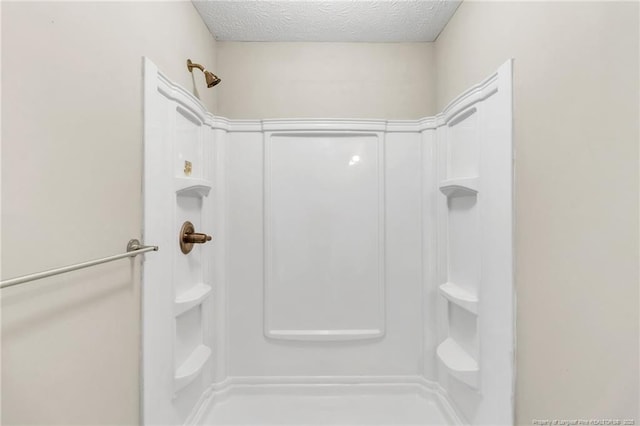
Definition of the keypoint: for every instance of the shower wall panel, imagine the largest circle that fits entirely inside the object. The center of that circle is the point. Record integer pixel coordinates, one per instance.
(177, 306)
(337, 290)
(475, 250)
(324, 236)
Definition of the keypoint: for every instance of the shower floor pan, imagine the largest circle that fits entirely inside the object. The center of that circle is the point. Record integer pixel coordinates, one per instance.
(327, 405)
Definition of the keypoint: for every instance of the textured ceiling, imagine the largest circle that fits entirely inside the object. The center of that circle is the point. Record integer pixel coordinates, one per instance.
(328, 20)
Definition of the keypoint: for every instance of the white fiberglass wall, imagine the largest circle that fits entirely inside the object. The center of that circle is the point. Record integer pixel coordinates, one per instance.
(363, 252)
(324, 259)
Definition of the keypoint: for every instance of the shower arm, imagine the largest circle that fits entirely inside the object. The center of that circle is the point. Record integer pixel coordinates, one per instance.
(192, 65)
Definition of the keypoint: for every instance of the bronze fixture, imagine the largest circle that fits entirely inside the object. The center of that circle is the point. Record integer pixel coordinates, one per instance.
(210, 77)
(188, 237)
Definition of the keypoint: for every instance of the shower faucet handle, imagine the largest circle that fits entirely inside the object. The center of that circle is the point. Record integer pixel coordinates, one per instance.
(188, 237)
(196, 238)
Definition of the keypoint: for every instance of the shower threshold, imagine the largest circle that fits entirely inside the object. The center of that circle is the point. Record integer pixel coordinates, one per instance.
(318, 404)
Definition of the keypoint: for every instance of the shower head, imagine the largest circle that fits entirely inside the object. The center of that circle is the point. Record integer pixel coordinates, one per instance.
(210, 77)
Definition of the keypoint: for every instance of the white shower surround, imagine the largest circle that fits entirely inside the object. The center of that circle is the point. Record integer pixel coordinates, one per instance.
(463, 340)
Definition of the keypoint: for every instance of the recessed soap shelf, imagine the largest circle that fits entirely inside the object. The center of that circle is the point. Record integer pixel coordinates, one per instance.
(458, 362)
(194, 187)
(191, 298)
(192, 367)
(460, 296)
(459, 187)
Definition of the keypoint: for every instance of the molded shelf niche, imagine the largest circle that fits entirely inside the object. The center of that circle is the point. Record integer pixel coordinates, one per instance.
(458, 362)
(461, 297)
(192, 367)
(459, 187)
(194, 187)
(191, 298)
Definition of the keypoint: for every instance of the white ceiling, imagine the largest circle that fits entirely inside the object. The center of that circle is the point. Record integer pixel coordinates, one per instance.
(328, 20)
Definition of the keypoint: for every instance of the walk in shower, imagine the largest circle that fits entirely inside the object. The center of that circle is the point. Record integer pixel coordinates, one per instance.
(359, 271)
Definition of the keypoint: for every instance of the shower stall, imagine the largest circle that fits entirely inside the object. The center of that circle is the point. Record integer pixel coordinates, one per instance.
(359, 272)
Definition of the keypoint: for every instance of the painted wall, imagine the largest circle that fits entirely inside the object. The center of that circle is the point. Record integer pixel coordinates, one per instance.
(336, 80)
(576, 141)
(71, 191)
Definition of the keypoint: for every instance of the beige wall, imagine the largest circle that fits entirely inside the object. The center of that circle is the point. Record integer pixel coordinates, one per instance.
(576, 140)
(71, 191)
(337, 80)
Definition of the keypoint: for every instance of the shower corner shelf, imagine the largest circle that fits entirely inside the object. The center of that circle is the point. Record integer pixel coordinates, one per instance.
(194, 187)
(461, 297)
(191, 298)
(458, 362)
(459, 187)
(192, 367)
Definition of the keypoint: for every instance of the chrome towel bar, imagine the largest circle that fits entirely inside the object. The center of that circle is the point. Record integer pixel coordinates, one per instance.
(134, 248)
